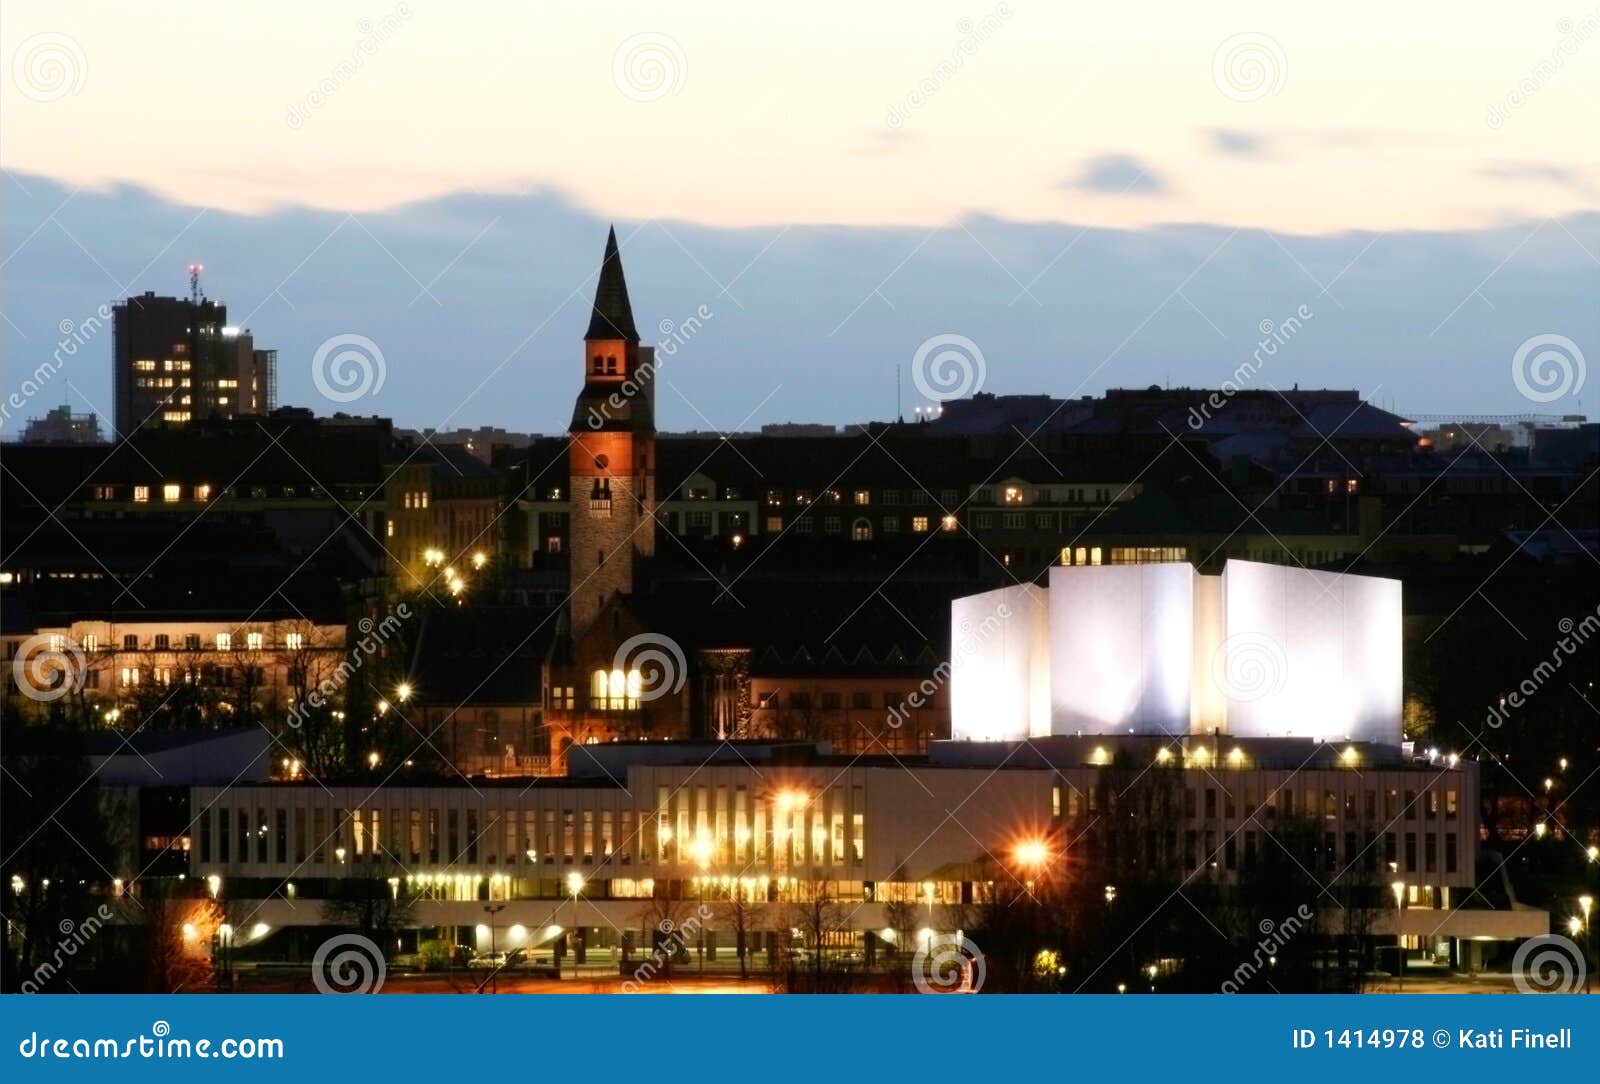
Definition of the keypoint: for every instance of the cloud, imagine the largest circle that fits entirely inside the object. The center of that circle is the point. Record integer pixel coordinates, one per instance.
(1118, 175)
(1238, 144)
(1542, 172)
(840, 305)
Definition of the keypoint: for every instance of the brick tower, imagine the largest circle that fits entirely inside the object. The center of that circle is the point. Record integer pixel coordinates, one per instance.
(612, 456)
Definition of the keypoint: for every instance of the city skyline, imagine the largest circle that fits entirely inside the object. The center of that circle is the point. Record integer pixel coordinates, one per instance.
(496, 294)
(1026, 499)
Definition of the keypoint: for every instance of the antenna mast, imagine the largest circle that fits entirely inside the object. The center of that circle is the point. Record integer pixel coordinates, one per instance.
(194, 282)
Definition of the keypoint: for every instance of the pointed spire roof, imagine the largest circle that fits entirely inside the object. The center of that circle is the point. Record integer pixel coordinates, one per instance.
(613, 315)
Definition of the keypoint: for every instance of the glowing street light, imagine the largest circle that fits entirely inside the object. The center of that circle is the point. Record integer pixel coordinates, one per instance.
(402, 691)
(700, 851)
(214, 885)
(1399, 890)
(480, 559)
(1033, 853)
(372, 759)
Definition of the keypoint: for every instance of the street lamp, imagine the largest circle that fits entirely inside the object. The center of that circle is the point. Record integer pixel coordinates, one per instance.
(574, 886)
(492, 909)
(1586, 904)
(1399, 889)
(402, 691)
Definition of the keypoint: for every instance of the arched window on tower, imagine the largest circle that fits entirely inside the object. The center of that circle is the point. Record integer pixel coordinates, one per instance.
(597, 365)
(611, 366)
(600, 497)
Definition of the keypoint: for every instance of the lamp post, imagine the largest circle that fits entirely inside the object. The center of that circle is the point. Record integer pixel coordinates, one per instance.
(492, 909)
(1399, 889)
(574, 886)
(1586, 904)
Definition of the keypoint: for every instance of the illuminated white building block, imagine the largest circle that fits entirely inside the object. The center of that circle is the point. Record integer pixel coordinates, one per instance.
(1309, 654)
(1260, 651)
(1121, 648)
(999, 665)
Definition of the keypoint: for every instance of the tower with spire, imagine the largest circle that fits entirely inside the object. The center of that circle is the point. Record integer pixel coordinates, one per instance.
(611, 459)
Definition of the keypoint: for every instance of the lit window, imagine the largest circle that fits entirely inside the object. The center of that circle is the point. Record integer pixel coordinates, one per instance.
(774, 524)
(863, 497)
(1013, 494)
(389, 529)
(91, 642)
(171, 492)
(614, 690)
(224, 641)
(130, 676)
(254, 641)
(861, 531)
(294, 641)
(948, 523)
(202, 492)
(919, 524)
(141, 493)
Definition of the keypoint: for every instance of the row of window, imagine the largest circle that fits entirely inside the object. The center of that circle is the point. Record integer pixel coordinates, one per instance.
(1328, 804)
(860, 700)
(1311, 850)
(173, 492)
(223, 641)
(132, 677)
